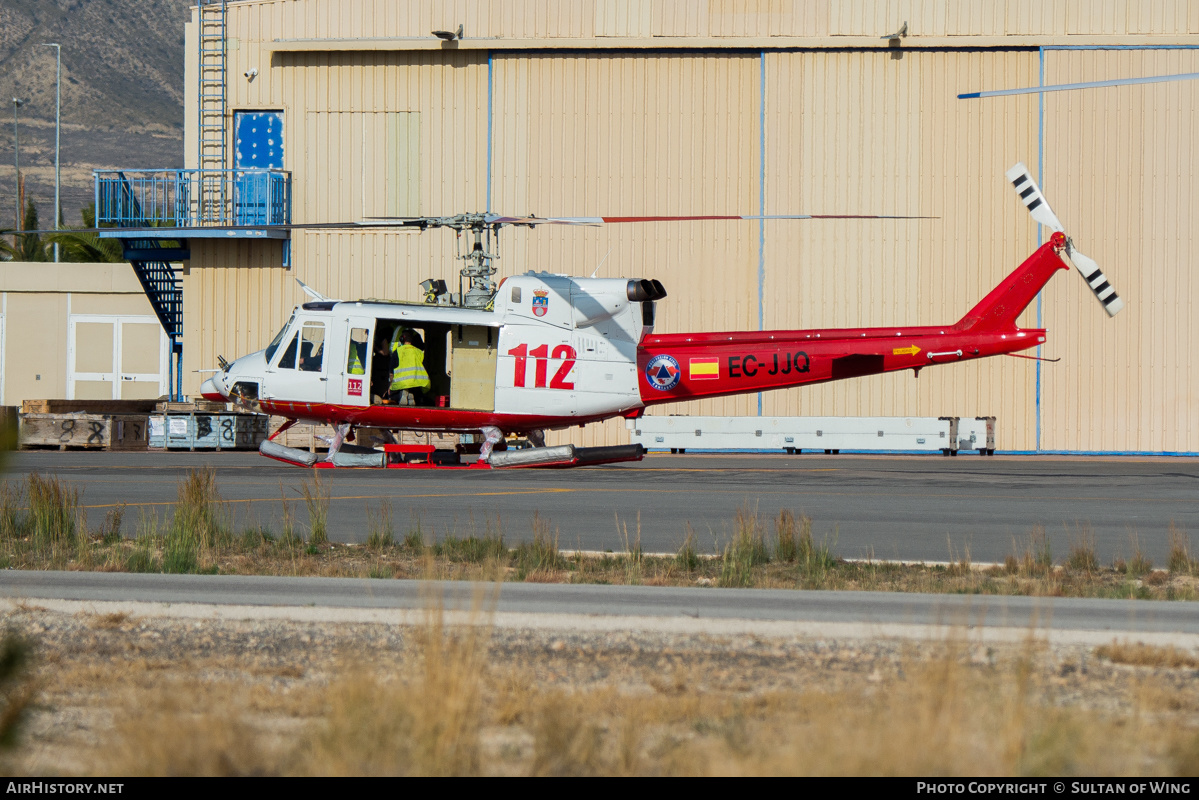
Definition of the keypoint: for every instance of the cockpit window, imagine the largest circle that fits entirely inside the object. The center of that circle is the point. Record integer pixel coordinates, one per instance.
(274, 345)
(288, 361)
(306, 350)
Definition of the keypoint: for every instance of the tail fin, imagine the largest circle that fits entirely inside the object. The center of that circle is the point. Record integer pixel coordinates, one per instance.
(1000, 308)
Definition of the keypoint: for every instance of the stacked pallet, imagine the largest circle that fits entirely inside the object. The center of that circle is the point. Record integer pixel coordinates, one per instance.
(87, 424)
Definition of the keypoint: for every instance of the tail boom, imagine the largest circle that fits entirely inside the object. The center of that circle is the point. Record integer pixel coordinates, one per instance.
(676, 367)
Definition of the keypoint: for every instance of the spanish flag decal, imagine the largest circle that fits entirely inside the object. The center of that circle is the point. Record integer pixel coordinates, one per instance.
(704, 369)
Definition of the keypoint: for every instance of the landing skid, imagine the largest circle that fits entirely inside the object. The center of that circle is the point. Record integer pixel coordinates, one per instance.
(425, 456)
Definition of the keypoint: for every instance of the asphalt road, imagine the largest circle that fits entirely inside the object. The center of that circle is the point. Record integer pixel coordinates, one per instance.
(895, 507)
(582, 601)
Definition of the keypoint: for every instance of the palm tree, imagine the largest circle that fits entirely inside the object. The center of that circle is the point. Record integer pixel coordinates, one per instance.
(87, 246)
(27, 246)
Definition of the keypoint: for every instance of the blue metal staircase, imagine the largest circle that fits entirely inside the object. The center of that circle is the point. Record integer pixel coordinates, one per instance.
(160, 280)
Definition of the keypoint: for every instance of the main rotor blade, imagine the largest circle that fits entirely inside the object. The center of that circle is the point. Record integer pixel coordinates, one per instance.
(681, 218)
(1066, 87)
(423, 223)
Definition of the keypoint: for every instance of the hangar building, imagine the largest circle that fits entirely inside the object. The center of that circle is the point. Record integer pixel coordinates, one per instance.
(324, 111)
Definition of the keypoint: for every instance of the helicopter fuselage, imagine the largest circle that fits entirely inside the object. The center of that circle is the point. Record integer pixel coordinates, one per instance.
(555, 351)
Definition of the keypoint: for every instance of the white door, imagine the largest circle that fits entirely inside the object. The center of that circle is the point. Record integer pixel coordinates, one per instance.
(353, 370)
(113, 357)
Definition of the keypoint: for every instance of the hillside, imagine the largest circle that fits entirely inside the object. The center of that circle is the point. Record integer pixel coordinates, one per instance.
(122, 92)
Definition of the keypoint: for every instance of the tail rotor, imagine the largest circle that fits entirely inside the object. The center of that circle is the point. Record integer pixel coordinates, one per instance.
(1040, 210)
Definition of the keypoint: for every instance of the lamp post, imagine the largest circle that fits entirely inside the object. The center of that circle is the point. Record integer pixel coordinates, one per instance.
(16, 103)
(57, 129)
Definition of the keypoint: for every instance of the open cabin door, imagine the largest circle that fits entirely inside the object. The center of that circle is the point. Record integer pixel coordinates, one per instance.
(474, 350)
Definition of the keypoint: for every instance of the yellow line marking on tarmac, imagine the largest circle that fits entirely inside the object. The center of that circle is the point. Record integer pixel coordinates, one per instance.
(348, 497)
(626, 490)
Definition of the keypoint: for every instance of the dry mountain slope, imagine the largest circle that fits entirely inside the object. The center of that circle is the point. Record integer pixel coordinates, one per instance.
(122, 92)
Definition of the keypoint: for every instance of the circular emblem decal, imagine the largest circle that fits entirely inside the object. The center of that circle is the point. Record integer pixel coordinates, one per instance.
(663, 372)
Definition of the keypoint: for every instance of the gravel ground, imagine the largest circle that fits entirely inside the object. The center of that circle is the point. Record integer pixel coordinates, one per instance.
(93, 668)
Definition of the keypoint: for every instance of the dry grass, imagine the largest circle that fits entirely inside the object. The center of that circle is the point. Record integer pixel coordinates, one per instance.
(451, 705)
(1180, 560)
(197, 536)
(425, 725)
(1138, 654)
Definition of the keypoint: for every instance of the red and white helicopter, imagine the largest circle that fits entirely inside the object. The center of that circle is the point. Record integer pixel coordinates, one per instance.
(541, 351)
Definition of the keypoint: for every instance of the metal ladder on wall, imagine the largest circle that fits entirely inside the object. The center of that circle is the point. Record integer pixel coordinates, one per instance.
(212, 146)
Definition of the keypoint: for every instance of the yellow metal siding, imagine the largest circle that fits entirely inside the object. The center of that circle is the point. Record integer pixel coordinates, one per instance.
(863, 133)
(1121, 173)
(585, 19)
(600, 135)
(643, 132)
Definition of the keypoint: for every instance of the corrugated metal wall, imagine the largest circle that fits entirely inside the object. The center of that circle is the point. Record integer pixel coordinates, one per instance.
(866, 133)
(586, 131)
(535, 19)
(1122, 170)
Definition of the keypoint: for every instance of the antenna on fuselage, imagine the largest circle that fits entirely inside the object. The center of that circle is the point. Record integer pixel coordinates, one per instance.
(308, 290)
(602, 260)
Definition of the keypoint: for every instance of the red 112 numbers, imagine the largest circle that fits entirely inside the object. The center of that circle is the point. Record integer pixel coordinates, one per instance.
(541, 356)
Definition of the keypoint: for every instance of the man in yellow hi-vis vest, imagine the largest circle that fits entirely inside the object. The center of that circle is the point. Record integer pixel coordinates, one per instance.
(409, 380)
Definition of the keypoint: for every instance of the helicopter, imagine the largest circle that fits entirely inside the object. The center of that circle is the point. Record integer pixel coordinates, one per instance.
(544, 351)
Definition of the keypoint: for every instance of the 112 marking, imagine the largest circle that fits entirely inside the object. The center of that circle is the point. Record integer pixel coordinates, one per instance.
(541, 356)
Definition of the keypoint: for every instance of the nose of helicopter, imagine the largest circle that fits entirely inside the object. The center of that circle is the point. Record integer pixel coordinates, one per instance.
(214, 388)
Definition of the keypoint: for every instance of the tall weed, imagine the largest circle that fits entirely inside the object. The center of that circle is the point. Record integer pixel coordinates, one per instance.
(746, 550)
(634, 558)
(687, 556)
(381, 532)
(1083, 557)
(786, 541)
(12, 515)
(1180, 561)
(317, 497)
(542, 553)
(814, 560)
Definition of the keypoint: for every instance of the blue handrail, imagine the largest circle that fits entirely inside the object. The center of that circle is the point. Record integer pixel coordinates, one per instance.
(193, 198)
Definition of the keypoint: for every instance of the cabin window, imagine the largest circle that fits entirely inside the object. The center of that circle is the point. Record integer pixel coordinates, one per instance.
(312, 347)
(515, 295)
(356, 358)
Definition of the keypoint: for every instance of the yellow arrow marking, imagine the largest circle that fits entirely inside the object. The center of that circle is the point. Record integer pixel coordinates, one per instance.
(905, 351)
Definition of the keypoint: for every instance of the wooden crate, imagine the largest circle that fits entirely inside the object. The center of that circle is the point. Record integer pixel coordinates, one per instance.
(88, 406)
(197, 406)
(93, 431)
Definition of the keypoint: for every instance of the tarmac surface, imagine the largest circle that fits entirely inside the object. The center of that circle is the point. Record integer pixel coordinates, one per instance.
(617, 608)
(911, 508)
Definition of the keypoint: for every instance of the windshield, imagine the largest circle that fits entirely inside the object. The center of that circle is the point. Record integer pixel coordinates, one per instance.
(274, 345)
